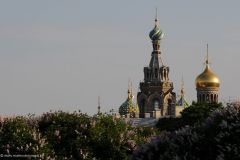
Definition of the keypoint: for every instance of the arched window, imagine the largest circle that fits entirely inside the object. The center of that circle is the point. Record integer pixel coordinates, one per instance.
(165, 74)
(156, 104)
(169, 107)
(161, 74)
(207, 98)
(200, 97)
(141, 108)
(156, 73)
(203, 98)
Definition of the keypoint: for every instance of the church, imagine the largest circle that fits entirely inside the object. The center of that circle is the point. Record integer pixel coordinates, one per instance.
(156, 97)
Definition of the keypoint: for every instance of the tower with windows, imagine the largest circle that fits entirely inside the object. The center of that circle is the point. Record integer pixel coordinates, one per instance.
(156, 97)
(207, 85)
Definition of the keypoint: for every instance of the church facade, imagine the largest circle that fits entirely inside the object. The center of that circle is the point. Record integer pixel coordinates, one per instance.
(156, 97)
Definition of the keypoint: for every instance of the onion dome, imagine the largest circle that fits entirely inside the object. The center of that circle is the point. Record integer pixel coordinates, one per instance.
(156, 34)
(129, 107)
(207, 78)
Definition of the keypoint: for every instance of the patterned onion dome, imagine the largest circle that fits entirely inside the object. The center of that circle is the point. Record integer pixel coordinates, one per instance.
(129, 107)
(207, 79)
(156, 34)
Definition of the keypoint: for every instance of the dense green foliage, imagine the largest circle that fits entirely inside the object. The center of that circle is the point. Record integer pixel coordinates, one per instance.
(204, 131)
(217, 137)
(62, 135)
(18, 137)
(67, 133)
(169, 124)
(198, 112)
(110, 138)
(191, 115)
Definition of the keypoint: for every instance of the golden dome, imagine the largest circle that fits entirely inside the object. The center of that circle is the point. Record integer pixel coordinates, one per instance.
(207, 79)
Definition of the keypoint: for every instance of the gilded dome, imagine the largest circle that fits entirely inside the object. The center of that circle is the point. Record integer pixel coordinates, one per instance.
(129, 107)
(207, 79)
(156, 34)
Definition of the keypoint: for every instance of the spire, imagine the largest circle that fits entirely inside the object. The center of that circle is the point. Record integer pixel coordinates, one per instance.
(182, 88)
(99, 107)
(207, 59)
(130, 96)
(156, 17)
(131, 89)
(182, 101)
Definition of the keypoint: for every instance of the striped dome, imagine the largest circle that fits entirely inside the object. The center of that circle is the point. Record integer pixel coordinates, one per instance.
(156, 34)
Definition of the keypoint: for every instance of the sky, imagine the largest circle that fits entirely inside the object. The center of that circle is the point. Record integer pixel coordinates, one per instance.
(63, 54)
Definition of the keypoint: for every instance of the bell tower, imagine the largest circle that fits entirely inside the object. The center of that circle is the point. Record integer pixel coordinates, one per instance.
(156, 97)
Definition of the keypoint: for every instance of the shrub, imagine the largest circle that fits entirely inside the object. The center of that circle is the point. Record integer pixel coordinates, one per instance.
(191, 115)
(218, 137)
(67, 134)
(197, 112)
(111, 138)
(169, 124)
(17, 137)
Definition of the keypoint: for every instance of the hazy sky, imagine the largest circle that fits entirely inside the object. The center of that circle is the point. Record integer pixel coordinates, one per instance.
(62, 54)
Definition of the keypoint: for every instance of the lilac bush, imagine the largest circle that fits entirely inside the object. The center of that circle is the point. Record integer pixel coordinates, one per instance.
(67, 134)
(63, 135)
(222, 132)
(113, 138)
(18, 138)
(217, 137)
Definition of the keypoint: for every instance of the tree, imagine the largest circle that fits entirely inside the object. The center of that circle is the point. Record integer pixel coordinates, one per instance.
(217, 137)
(17, 137)
(109, 138)
(67, 134)
(169, 124)
(191, 115)
(197, 112)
